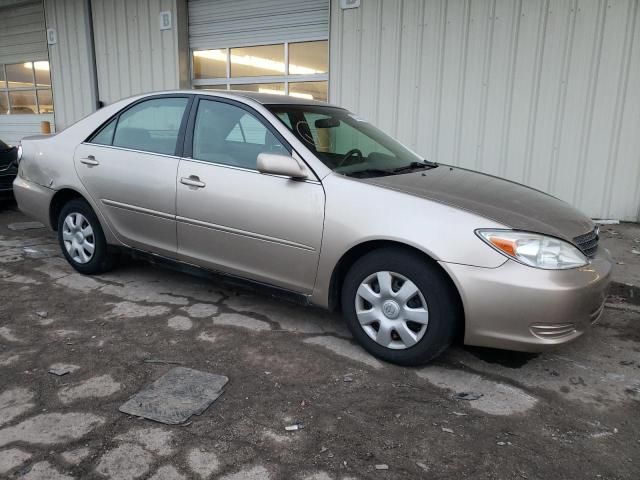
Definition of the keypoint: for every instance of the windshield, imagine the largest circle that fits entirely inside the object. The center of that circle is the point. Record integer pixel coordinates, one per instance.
(346, 143)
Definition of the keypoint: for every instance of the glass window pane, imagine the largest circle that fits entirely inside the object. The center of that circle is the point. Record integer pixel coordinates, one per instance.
(105, 136)
(45, 101)
(229, 135)
(4, 103)
(210, 63)
(236, 134)
(309, 90)
(340, 139)
(248, 130)
(20, 75)
(43, 77)
(210, 87)
(284, 117)
(3, 84)
(23, 101)
(257, 61)
(332, 132)
(151, 126)
(308, 58)
(274, 88)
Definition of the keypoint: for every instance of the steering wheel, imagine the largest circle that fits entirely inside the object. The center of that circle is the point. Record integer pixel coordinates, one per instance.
(349, 154)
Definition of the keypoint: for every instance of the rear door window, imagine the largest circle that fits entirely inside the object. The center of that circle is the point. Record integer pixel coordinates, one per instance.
(105, 136)
(151, 126)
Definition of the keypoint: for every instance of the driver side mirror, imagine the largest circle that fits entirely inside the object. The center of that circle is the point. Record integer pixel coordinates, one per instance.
(276, 164)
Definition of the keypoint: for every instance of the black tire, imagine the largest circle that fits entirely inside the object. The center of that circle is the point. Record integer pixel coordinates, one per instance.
(445, 314)
(104, 257)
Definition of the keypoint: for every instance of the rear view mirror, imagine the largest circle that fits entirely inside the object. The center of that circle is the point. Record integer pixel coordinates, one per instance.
(327, 123)
(276, 164)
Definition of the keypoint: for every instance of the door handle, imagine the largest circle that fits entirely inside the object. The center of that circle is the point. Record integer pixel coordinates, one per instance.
(89, 160)
(193, 181)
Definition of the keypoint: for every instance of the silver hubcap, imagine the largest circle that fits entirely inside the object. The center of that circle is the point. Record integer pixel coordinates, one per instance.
(78, 238)
(391, 310)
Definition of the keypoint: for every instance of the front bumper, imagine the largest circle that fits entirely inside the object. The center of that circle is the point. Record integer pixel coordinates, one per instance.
(517, 307)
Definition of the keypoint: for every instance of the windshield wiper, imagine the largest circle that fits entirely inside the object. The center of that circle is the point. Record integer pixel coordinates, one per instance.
(414, 166)
(369, 171)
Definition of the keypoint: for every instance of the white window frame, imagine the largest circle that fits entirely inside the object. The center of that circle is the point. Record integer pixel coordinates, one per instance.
(5, 89)
(286, 78)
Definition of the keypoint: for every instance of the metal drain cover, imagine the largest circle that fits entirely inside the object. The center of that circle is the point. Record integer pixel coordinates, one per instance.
(176, 396)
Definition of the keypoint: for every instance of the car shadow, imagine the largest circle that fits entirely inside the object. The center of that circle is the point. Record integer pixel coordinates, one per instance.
(505, 358)
(8, 204)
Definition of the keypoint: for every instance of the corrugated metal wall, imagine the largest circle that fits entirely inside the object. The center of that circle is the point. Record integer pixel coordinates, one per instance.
(71, 60)
(236, 23)
(132, 54)
(544, 92)
(23, 38)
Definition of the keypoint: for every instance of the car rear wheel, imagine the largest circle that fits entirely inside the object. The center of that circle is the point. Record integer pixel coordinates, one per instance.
(82, 239)
(400, 307)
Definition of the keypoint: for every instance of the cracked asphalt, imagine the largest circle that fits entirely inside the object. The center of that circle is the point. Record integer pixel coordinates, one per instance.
(474, 413)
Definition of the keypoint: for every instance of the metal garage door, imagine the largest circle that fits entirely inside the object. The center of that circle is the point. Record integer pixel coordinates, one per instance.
(269, 46)
(22, 31)
(23, 44)
(237, 23)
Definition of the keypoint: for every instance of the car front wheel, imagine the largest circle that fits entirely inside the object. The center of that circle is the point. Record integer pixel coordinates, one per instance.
(400, 307)
(82, 239)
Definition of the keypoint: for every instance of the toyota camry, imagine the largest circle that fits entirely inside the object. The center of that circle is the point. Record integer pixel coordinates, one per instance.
(313, 202)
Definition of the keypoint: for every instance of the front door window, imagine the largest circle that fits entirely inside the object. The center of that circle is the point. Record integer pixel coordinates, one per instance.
(230, 135)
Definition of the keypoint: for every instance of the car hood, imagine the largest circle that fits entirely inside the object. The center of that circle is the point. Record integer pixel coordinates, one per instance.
(509, 203)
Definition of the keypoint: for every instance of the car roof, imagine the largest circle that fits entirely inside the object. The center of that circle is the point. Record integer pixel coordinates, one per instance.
(262, 98)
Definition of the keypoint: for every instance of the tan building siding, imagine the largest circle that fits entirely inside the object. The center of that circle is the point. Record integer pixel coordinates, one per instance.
(132, 54)
(71, 60)
(544, 92)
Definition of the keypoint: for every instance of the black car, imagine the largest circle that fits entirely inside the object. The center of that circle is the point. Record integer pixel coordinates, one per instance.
(8, 169)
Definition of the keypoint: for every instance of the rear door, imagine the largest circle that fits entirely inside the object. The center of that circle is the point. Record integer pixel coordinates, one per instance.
(129, 168)
(234, 219)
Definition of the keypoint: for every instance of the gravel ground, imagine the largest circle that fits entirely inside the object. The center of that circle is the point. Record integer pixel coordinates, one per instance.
(570, 413)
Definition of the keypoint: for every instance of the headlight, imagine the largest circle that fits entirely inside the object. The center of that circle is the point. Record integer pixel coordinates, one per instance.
(19, 156)
(534, 249)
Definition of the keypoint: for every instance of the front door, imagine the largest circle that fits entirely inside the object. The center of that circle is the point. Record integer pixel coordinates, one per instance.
(234, 219)
(129, 169)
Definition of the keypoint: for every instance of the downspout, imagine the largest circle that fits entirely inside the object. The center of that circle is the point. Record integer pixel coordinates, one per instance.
(97, 103)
